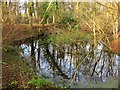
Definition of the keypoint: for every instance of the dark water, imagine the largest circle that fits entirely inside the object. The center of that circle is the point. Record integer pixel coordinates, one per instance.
(59, 63)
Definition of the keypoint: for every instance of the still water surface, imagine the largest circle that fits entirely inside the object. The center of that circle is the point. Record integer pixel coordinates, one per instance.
(59, 64)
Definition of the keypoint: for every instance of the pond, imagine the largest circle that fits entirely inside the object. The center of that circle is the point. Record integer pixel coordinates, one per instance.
(77, 65)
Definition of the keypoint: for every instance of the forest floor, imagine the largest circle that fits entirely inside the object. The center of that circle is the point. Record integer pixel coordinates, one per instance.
(15, 71)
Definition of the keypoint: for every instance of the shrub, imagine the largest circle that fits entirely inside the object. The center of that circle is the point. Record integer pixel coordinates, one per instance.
(38, 82)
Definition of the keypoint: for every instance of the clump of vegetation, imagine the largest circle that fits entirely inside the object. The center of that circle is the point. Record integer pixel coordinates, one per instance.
(13, 84)
(68, 22)
(38, 82)
(69, 37)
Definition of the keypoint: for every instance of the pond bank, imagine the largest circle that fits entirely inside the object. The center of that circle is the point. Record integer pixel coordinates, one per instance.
(15, 70)
(68, 49)
(16, 73)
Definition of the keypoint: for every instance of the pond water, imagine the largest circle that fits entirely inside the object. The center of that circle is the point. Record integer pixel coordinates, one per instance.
(94, 67)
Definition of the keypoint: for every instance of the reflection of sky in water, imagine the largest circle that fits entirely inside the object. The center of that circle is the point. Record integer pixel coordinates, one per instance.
(26, 50)
(65, 63)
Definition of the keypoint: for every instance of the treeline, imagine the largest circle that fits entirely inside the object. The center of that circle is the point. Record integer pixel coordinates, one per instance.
(100, 18)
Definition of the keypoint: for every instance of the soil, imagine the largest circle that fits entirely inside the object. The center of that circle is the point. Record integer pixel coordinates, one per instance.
(11, 75)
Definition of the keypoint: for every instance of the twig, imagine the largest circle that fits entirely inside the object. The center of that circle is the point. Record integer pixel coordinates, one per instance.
(106, 6)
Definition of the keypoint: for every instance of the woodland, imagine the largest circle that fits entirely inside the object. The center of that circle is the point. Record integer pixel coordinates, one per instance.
(59, 45)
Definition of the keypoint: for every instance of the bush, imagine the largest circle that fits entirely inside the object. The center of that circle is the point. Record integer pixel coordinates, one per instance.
(38, 82)
(69, 38)
(69, 22)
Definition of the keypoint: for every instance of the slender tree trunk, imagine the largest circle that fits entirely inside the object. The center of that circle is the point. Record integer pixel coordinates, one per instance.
(31, 21)
(53, 18)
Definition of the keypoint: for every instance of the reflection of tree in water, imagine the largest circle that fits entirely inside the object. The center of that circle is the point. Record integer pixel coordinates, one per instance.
(63, 60)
